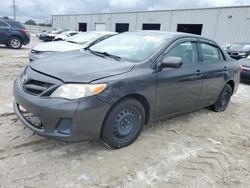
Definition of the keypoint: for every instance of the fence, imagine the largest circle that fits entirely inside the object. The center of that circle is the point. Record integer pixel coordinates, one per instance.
(37, 29)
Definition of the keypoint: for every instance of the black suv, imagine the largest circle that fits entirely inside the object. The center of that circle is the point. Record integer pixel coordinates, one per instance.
(13, 34)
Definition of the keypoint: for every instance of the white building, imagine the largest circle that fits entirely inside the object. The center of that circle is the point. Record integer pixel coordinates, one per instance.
(222, 24)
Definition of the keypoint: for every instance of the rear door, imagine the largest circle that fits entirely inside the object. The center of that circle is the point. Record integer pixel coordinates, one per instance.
(3, 31)
(215, 72)
(178, 89)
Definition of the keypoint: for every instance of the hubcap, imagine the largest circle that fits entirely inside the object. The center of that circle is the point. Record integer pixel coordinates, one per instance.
(15, 43)
(126, 123)
(224, 99)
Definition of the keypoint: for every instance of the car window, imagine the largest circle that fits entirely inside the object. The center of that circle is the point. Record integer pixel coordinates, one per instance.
(3, 24)
(134, 47)
(211, 53)
(187, 51)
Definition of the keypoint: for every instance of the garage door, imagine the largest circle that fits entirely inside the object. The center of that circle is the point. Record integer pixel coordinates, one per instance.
(100, 27)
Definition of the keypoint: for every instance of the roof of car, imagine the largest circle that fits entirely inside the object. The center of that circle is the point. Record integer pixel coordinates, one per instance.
(104, 32)
(175, 34)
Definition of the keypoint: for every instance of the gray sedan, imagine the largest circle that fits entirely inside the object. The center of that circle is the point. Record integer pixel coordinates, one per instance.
(115, 87)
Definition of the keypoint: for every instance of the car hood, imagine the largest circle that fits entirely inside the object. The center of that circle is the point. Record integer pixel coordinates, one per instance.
(57, 46)
(245, 62)
(80, 66)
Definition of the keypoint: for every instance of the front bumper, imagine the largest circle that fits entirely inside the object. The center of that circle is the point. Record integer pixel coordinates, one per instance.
(76, 120)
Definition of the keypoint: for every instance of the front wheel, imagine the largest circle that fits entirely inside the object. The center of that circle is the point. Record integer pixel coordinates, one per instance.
(223, 99)
(14, 43)
(123, 124)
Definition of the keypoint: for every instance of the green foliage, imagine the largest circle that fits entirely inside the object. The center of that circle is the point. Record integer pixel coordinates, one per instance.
(30, 22)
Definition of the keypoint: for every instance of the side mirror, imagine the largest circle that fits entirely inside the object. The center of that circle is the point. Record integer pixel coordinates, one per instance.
(171, 62)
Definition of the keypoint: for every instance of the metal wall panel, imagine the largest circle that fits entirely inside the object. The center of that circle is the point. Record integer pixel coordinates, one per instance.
(206, 17)
(224, 25)
(233, 26)
(83, 19)
(163, 18)
(101, 19)
(124, 18)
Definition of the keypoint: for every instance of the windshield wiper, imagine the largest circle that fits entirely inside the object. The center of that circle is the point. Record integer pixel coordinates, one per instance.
(104, 54)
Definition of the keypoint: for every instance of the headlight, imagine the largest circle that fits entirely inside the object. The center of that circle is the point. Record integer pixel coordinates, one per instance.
(248, 57)
(76, 91)
(242, 54)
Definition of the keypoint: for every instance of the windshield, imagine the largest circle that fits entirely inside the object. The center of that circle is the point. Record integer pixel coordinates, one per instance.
(133, 47)
(240, 47)
(82, 37)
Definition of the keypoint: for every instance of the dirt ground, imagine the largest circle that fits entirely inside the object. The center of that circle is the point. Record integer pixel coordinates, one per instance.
(199, 149)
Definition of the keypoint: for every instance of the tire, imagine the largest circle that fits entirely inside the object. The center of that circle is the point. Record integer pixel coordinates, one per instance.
(123, 124)
(15, 43)
(223, 99)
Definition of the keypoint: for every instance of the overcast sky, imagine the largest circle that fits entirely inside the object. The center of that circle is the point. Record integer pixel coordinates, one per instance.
(41, 10)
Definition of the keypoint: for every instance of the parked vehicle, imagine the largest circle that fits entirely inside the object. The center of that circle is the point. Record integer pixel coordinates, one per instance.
(49, 35)
(245, 72)
(13, 34)
(73, 43)
(115, 87)
(239, 50)
(64, 35)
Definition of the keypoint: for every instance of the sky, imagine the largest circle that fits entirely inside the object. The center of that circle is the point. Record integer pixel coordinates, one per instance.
(41, 10)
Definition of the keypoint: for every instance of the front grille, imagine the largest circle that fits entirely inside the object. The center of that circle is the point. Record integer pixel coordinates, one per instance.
(31, 118)
(36, 87)
(233, 53)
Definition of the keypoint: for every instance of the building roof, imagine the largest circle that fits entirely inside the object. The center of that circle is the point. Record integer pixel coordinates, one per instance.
(163, 10)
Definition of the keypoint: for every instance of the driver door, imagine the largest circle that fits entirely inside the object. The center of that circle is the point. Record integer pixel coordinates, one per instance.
(178, 89)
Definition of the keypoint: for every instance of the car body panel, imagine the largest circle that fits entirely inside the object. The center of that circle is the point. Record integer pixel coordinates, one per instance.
(245, 74)
(74, 70)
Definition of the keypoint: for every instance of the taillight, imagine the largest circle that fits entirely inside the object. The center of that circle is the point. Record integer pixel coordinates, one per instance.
(25, 31)
(241, 68)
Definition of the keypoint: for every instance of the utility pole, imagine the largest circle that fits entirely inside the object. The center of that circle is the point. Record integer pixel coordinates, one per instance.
(14, 9)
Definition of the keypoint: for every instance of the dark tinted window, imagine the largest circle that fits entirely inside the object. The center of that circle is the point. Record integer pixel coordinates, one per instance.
(151, 26)
(211, 53)
(3, 24)
(187, 51)
(121, 27)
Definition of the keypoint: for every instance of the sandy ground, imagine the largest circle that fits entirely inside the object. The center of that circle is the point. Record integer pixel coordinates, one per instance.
(199, 149)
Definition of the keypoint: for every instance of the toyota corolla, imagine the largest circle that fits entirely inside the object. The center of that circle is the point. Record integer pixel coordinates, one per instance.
(112, 89)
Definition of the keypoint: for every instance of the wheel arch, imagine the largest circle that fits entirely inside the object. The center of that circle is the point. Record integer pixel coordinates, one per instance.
(232, 85)
(14, 35)
(142, 99)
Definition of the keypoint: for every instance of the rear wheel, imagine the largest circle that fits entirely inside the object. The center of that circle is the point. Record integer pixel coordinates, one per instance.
(14, 43)
(223, 99)
(123, 124)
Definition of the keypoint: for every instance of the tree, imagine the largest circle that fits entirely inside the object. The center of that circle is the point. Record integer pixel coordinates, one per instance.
(30, 22)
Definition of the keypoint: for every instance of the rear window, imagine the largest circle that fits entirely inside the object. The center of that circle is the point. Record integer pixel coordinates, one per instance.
(211, 53)
(16, 24)
(3, 24)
